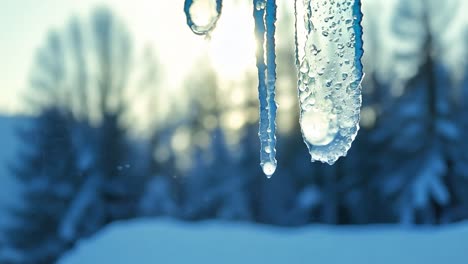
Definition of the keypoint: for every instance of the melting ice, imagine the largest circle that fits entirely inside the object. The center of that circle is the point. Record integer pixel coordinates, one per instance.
(328, 57)
(265, 18)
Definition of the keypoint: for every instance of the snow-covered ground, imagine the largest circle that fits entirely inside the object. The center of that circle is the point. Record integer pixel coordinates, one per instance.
(169, 241)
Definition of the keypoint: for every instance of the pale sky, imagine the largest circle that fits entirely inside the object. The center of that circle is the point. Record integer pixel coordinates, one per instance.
(24, 25)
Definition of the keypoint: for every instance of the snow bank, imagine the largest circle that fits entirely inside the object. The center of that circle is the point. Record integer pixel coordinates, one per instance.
(167, 241)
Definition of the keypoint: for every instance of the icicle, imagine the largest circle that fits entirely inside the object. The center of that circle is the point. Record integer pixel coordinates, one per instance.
(265, 18)
(328, 57)
(202, 15)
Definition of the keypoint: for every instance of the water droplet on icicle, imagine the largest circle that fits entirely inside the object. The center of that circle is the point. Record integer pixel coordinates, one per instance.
(269, 168)
(319, 128)
(202, 15)
(260, 4)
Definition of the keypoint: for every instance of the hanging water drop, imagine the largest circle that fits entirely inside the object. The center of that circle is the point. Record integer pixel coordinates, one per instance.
(330, 126)
(269, 168)
(202, 15)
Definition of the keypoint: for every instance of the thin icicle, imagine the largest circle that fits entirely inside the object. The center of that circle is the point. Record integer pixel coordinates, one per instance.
(328, 57)
(265, 18)
(202, 15)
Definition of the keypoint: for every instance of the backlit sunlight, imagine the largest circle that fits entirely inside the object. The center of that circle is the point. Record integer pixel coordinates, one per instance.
(232, 44)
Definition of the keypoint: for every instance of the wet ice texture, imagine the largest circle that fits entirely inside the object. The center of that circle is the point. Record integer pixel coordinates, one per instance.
(328, 56)
(202, 15)
(265, 18)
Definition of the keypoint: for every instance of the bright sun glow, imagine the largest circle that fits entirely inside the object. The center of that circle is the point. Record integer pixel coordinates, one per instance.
(203, 13)
(232, 46)
(163, 28)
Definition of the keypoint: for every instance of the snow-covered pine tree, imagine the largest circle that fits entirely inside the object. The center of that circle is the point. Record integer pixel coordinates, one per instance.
(417, 129)
(217, 187)
(458, 179)
(47, 170)
(162, 192)
(111, 188)
(84, 72)
(47, 166)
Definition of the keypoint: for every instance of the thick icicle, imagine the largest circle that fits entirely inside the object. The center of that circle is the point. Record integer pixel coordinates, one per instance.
(265, 18)
(328, 57)
(202, 15)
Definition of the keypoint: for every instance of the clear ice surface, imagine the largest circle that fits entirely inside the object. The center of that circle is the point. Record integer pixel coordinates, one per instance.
(202, 15)
(265, 17)
(328, 58)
